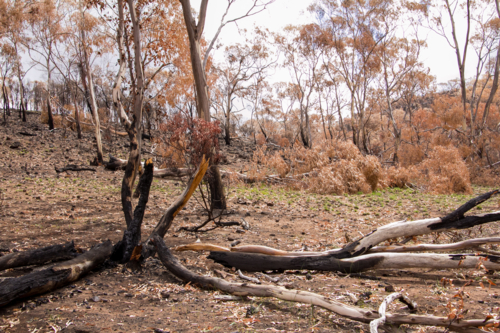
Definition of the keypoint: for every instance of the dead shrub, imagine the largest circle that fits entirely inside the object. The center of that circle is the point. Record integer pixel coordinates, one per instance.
(336, 168)
(399, 177)
(444, 172)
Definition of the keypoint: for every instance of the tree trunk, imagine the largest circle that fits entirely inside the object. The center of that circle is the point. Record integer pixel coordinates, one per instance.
(87, 74)
(453, 221)
(217, 195)
(132, 236)
(49, 111)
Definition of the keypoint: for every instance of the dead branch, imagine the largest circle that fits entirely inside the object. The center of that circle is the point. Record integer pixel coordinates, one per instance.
(248, 278)
(453, 221)
(383, 308)
(74, 167)
(167, 218)
(55, 277)
(467, 244)
(116, 163)
(253, 262)
(38, 256)
(344, 310)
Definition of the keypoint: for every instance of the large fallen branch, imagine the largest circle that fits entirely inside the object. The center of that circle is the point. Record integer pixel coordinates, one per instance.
(252, 262)
(467, 244)
(116, 163)
(453, 221)
(74, 167)
(351, 312)
(59, 275)
(38, 256)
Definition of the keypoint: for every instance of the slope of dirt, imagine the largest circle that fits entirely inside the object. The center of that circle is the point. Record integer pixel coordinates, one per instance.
(40, 207)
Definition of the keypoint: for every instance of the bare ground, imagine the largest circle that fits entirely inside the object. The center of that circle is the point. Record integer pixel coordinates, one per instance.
(39, 207)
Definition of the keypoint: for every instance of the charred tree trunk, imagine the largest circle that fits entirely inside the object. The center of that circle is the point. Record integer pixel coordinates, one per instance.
(132, 236)
(217, 195)
(49, 111)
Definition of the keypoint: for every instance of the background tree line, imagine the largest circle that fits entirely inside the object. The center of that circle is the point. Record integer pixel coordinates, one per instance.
(353, 74)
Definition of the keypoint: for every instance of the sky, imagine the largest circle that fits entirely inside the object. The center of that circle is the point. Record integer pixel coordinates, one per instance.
(438, 56)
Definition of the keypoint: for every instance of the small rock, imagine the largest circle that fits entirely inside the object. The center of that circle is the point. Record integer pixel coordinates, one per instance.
(236, 242)
(231, 239)
(95, 299)
(129, 295)
(15, 145)
(165, 294)
(239, 231)
(309, 276)
(389, 289)
(247, 214)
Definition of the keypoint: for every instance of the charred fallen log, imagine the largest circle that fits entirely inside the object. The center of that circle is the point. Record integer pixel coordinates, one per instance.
(253, 262)
(74, 167)
(347, 311)
(59, 275)
(38, 256)
(453, 221)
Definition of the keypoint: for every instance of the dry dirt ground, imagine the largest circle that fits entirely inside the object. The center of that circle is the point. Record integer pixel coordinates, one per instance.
(39, 207)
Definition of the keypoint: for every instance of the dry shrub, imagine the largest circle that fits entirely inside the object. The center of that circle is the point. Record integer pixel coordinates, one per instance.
(44, 117)
(329, 168)
(257, 171)
(410, 154)
(485, 176)
(444, 172)
(399, 177)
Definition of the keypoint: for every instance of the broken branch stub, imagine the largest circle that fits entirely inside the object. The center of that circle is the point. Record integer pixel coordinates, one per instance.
(167, 218)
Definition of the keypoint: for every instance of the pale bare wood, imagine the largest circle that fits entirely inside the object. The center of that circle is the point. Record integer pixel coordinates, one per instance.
(351, 312)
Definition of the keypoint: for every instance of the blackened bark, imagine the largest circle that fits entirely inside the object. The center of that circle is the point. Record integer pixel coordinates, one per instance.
(55, 277)
(132, 236)
(254, 262)
(51, 118)
(38, 256)
(217, 196)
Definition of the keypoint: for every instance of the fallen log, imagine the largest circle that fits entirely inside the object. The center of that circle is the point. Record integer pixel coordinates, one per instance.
(467, 244)
(74, 167)
(347, 311)
(116, 163)
(38, 256)
(253, 262)
(59, 275)
(453, 221)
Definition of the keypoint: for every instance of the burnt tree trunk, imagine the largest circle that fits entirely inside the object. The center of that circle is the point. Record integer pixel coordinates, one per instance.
(132, 236)
(217, 196)
(331, 260)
